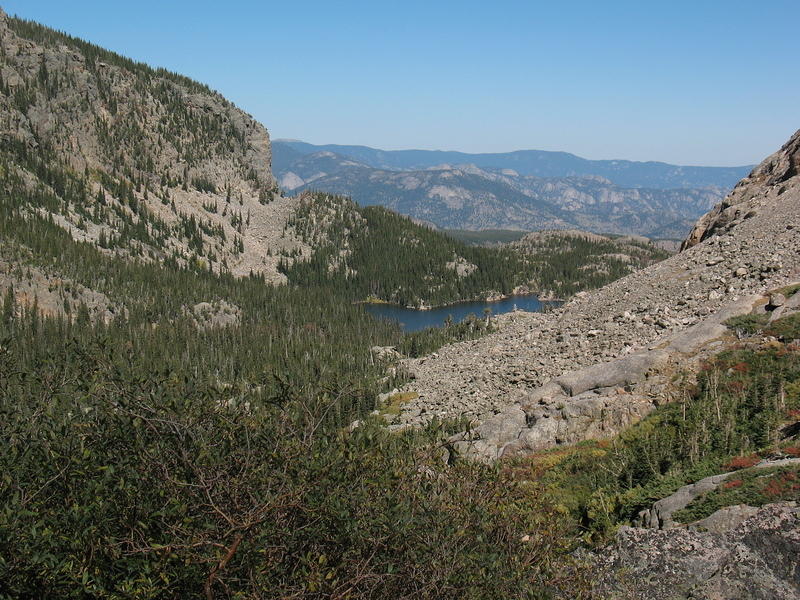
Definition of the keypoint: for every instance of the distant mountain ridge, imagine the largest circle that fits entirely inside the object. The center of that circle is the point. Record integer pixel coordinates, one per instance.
(537, 163)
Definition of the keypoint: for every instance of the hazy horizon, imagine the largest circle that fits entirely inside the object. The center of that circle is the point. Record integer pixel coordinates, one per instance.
(686, 83)
(444, 149)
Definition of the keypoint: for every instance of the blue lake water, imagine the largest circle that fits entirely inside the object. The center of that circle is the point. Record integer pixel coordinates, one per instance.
(415, 320)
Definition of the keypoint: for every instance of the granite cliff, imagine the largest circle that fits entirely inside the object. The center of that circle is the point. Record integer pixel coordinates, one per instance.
(140, 161)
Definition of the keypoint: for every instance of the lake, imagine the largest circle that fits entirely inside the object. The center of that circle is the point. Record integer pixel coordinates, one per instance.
(411, 319)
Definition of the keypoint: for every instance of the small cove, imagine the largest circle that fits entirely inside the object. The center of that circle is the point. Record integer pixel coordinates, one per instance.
(411, 319)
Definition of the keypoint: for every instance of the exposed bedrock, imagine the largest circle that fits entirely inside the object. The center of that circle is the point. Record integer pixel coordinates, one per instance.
(598, 401)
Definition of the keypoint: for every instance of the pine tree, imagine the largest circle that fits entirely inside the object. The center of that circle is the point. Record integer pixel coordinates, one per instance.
(9, 306)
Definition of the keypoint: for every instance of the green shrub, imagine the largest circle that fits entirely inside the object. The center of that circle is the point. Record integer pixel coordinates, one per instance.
(785, 328)
(120, 482)
(754, 487)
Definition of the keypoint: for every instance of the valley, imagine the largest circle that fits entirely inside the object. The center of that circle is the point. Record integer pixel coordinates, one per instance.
(196, 401)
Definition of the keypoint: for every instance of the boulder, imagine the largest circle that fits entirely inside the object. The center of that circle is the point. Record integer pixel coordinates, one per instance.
(755, 558)
(725, 519)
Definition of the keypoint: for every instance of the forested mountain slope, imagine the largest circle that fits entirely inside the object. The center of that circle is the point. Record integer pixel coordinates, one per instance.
(138, 161)
(370, 253)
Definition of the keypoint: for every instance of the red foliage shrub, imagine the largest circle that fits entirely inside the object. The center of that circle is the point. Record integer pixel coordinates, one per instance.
(773, 489)
(743, 462)
(782, 485)
(733, 483)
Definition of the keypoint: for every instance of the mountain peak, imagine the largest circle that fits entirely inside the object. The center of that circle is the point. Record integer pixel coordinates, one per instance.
(776, 173)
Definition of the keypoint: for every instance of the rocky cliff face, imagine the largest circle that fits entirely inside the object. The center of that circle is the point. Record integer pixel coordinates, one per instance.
(746, 553)
(101, 111)
(139, 161)
(775, 176)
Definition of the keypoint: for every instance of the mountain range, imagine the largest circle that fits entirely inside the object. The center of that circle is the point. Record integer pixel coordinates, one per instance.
(524, 190)
(536, 163)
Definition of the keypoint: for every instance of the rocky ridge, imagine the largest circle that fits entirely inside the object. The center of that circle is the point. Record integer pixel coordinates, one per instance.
(657, 319)
(142, 150)
(537, 163)
(772, 175)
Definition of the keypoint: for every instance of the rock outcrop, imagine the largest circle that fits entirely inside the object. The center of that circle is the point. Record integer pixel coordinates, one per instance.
(743, 202)
(659, 516)
(746, 553)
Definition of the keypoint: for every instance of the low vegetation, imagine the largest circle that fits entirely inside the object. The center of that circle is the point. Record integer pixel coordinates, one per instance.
(744, 406)
(754, 487)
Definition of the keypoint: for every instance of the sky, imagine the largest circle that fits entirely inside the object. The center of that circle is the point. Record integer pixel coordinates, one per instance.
(702, 82)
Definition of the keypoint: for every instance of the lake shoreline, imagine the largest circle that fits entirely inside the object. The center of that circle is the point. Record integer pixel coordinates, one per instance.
(411, 319)
(489, 299)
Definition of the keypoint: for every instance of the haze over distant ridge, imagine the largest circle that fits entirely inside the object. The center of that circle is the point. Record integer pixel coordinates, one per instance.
(522, 190)
(539, 163)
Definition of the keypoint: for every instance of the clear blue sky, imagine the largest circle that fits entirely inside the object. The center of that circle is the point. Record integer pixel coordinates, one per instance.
(689, 82)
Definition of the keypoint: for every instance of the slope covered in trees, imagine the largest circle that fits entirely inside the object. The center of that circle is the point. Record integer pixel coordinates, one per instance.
(146, 455)
(137, 160)
(373, 253)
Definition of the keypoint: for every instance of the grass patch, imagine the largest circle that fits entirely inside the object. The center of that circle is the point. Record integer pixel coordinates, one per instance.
(754, 487)
(748, 324)
(374, 300)
(395, 402)
(785, 328)
(789, 290)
